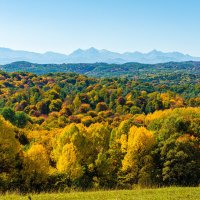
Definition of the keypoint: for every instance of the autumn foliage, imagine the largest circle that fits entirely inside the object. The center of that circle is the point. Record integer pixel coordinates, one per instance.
(69, 131)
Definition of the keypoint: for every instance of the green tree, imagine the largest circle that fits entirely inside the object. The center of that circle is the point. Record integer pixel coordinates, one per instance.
(21, 119)
(55, 105)
(8, 114)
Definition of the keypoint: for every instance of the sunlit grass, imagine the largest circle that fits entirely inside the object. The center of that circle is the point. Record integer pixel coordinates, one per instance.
(170, 193)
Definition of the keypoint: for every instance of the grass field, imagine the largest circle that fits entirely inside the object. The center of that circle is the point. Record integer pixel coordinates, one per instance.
(171, 193)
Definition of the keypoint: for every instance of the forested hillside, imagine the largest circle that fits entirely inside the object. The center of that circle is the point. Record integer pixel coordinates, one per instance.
(67, 130)
(106, 70)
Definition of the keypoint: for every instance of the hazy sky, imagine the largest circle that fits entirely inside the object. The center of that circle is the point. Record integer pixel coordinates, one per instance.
(117, 25)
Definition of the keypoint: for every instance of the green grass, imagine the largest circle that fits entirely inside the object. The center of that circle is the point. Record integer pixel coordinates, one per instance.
(171, 193)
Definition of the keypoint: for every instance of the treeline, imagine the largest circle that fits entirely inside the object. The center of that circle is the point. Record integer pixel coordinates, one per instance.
(62, 131)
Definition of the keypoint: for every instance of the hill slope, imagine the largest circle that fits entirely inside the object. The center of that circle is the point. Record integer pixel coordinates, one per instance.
(104, 69)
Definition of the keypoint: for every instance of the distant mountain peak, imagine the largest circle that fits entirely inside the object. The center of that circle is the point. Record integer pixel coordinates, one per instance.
(154, 51)
(77, 51)
(92, 49)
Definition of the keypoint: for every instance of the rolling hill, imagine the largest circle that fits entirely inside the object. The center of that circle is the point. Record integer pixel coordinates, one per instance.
(104, 69)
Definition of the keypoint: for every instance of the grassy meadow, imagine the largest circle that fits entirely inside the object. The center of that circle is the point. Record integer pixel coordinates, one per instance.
(171, 193)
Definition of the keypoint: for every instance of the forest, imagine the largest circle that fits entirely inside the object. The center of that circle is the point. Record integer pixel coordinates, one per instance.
(130, 69)
(65, 130)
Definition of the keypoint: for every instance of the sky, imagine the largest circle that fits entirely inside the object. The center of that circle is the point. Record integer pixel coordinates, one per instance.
(117, 25)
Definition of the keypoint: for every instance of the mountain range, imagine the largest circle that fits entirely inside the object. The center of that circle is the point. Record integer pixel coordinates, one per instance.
(93, 55)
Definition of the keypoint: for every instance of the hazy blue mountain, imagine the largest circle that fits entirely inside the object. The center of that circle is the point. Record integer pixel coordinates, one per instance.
(9, 55)
(93, 55)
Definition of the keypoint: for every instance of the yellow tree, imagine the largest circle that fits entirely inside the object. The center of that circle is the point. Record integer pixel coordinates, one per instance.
(77, 102)
(68, 162)
(75, 134)
(36, 165)
(9, 146)
(99, 160)
(137, 162)
(99, 135)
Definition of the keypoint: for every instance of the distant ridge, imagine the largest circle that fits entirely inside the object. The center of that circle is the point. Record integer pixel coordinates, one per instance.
(93, 55)
(131, 69)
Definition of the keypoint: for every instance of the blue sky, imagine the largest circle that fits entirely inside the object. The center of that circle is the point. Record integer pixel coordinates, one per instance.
(116, 25)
